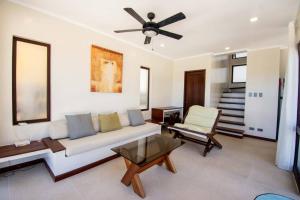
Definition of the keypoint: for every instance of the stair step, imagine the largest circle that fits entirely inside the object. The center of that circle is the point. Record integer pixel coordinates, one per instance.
(233, 97)
(236, 135)
(232, 115)
(228, 125)
(236, 89)
(235, 119)
(231, 106)
(228, 100)
(232, 88)
(238, 103)
(224, 108)
(234, 92)
(234, 112)
(230, 129)
(231, 122)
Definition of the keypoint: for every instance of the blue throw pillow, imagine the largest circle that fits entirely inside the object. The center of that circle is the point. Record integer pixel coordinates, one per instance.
(271, 196)
(80, 126)
(135, 117)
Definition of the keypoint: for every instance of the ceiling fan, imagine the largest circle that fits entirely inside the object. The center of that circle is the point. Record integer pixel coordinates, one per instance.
(151, 29)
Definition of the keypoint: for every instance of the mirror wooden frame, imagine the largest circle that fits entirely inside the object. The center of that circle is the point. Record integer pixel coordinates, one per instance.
(14, 81)
(148, 89)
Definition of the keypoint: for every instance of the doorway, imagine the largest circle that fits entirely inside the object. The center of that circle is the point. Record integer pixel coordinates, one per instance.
(194, 89)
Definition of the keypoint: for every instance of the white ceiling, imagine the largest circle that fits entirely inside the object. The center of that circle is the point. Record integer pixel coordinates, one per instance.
(210, 25)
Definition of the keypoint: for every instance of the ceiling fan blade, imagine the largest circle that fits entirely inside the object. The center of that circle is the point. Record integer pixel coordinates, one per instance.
(147, 40)
(170, 20)
(128, 30)
(135, 15)
(169, 34)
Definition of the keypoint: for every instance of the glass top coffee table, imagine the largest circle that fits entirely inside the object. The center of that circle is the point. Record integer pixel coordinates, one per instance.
(142, 154)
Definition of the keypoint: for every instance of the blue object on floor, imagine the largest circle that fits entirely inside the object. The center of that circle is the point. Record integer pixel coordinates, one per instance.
(270, 196)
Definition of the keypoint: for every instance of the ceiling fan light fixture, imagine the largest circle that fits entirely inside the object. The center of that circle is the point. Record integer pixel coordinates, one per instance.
(150, 33)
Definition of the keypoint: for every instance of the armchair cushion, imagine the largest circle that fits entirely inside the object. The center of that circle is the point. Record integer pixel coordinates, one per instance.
(201, 116)
(191, 127)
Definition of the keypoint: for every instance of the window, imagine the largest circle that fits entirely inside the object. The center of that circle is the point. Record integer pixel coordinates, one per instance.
(144, 88)
(239, 55)
(239, 73)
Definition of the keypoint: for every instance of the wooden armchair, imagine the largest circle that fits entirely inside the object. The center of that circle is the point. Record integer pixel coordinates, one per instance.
(199, 126)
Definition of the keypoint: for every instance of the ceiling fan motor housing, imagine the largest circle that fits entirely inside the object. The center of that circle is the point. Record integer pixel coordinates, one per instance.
(150, 29)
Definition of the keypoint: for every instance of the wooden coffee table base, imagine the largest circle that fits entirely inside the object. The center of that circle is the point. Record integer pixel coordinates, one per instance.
(132, 174)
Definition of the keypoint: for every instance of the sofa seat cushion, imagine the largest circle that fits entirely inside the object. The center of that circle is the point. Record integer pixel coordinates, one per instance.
(99, 140)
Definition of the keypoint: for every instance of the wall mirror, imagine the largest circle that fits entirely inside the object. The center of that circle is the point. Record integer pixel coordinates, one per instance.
(144, 88)
(30, 81)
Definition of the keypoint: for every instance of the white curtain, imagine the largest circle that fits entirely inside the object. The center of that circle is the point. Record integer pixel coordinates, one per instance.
(288, 117)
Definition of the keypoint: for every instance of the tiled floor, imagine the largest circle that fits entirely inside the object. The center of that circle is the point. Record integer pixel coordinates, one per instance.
(240, 171)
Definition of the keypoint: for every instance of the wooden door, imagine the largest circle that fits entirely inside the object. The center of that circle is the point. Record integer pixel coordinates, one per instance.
(194, 89)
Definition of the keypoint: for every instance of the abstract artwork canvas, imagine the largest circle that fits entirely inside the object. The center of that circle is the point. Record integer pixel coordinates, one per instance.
(106, 70)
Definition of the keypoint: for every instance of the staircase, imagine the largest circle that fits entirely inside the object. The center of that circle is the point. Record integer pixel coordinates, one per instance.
(232, 104)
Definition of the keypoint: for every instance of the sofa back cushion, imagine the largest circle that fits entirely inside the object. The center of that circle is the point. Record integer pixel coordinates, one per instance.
(80, 126)
(96, 123)
(136, 117)
(58, 129)
(109, 122)
(124, 119)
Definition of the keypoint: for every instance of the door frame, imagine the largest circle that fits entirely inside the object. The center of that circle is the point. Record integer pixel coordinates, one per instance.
(184, 93)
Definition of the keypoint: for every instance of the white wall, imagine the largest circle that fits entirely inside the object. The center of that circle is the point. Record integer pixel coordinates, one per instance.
(298, 26)
(283, 62)
(262, 76)
(70, 68)
(216, 77)
(189, 64)
(219, 74)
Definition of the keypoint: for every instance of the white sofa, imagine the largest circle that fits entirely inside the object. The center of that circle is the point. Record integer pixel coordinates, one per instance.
(92, 149)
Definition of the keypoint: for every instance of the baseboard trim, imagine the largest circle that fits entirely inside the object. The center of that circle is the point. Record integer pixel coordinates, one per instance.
(80, 169)
(21, 165)
(260, 138)
(249, 136)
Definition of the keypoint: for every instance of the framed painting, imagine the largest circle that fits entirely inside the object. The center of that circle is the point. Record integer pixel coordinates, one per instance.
(106, 70)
